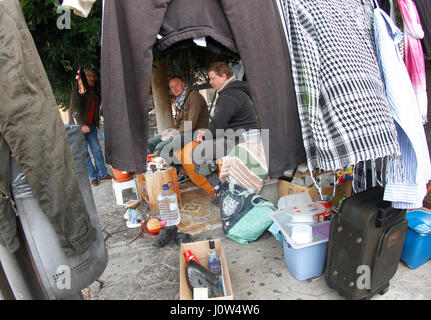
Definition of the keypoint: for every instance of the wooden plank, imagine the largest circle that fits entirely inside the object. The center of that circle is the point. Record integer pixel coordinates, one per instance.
(140, 180)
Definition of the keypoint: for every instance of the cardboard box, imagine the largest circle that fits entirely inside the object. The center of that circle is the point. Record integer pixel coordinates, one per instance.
(200, 251)
(343, 190)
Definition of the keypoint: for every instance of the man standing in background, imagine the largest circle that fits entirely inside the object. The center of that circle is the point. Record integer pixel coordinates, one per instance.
(85, 101)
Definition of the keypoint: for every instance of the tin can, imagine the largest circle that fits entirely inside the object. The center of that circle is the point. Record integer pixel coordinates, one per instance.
(326, 201)
(188, 255)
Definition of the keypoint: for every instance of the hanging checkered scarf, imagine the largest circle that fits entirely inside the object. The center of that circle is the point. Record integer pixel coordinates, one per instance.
(342, 105)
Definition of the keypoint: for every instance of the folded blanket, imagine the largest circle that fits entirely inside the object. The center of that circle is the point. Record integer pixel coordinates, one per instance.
(246, 165)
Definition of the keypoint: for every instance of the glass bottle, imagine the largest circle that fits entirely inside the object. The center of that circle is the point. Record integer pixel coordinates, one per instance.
(213, 260)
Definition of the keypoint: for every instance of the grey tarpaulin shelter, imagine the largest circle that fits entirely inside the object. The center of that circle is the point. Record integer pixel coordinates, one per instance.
(250, 28)
(424, 10)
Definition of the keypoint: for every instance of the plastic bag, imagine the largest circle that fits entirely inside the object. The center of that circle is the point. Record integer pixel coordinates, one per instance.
(245, 215)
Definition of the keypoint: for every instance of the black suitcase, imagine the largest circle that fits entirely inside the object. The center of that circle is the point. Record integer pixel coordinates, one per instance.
(365, 244)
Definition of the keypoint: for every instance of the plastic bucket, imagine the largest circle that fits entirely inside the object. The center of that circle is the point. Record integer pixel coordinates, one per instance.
(122, 176)
(417, 246)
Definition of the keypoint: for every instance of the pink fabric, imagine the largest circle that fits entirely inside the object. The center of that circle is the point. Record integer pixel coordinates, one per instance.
(414, 55)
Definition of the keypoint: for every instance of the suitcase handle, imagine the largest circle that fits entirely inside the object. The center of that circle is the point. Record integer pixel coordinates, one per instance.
(385, 213)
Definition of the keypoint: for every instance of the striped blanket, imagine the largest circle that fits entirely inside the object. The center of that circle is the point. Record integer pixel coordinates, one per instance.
(246, 165)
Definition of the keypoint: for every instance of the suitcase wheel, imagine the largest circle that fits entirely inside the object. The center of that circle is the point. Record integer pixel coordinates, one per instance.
(384, 291)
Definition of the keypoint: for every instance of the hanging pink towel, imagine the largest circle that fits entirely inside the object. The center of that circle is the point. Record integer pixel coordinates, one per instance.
(414, 55)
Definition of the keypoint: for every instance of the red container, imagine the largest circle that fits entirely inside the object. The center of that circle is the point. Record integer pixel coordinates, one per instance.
(326, 201)
(189, 256)
(122, 176)
(154, 232)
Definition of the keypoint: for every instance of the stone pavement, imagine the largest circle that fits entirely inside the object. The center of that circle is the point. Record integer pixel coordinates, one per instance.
(137, 270)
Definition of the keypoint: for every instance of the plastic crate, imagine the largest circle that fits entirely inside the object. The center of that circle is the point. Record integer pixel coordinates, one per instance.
(307, 262)
(417, 246)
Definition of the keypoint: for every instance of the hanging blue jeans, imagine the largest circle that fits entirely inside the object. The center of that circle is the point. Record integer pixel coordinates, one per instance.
(92, 141)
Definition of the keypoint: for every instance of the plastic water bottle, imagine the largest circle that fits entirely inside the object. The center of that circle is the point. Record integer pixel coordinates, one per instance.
(168, 206)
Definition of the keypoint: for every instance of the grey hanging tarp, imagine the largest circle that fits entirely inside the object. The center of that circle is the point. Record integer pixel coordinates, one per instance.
(251, 28)
(424, 10)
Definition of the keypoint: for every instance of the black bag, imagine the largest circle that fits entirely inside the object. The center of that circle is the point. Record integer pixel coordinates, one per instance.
(365, 244)
(245, 215)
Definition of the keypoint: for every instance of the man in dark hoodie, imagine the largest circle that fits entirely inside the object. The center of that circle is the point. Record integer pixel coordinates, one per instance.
(234, 114)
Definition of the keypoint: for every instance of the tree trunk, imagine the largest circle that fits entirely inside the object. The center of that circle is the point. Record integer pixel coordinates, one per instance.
(70, 117)
(162, 103)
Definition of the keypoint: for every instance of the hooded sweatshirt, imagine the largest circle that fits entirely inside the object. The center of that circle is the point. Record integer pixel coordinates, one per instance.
(234, 108)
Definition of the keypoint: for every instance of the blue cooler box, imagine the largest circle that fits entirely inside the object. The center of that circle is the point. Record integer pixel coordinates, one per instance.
(417, 246)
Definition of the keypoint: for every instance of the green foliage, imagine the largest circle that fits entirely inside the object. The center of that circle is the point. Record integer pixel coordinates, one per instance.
(62, 51)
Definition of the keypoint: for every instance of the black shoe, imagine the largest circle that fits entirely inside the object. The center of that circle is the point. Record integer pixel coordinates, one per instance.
(182, 238)
(165, 235)
(106, 178)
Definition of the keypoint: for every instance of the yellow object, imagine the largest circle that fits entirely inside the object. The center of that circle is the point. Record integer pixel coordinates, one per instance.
(153, 224)
(349, 171)
(340, 173)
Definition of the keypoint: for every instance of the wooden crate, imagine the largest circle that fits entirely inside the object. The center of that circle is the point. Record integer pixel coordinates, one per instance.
(152, 183)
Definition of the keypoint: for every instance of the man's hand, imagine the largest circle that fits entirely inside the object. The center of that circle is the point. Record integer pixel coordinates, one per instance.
(200, 135)
(85, 129)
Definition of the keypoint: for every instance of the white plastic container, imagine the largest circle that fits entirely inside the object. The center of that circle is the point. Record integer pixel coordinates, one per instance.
(299, 208)
(168, 206)
(302, 234)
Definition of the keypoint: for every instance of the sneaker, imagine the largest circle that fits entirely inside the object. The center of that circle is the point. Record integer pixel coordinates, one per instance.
(107, 177)
(95, 182)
